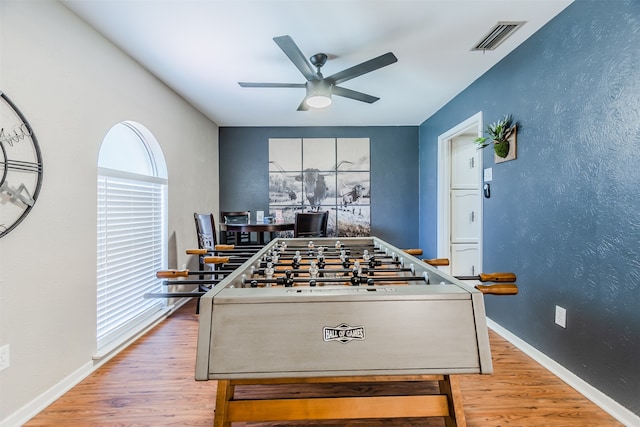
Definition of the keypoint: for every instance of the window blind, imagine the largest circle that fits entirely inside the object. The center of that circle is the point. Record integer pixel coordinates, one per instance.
(131, 233)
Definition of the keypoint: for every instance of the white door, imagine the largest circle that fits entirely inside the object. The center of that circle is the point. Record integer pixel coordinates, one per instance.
(465, 205)
(465, 224)
(460, 198)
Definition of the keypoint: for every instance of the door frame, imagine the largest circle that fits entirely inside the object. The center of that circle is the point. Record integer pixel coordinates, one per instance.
(444, 185)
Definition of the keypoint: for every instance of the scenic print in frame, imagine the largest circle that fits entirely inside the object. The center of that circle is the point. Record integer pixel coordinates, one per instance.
(322, 174)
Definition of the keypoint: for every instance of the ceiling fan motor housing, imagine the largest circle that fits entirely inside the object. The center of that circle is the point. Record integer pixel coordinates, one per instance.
(318, 60)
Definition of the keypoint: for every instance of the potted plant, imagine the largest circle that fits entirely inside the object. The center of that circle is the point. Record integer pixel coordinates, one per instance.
(498, 135)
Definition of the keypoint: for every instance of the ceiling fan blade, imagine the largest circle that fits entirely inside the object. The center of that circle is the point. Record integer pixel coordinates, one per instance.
(358, 96)
(250, 84)
(363, 68)
(292, 51)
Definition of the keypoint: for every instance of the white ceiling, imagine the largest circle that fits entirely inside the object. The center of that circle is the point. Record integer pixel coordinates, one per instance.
(202, 48)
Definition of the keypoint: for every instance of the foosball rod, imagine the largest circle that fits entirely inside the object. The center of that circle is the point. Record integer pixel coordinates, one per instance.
(502, 277)
(352, 279)
(225, 247)
(307, 255)
(312, 256)
(173, 294)
(326, 250)
(483, 277)
(341, 246)
(173, 274)
(203, 252)
(221, 260)
(436, 262)
(346, 263)
(341, 270)
(496, 289)
(192, 282)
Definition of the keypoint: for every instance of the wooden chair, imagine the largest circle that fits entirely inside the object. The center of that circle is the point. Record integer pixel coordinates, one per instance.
(311, 224)
(237, 217)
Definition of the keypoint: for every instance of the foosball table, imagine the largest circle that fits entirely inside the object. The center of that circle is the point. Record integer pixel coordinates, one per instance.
(328, 310)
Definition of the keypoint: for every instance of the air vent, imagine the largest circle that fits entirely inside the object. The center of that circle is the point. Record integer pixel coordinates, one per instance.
(497, 35)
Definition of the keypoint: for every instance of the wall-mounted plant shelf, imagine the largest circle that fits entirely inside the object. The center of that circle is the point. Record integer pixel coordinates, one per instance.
(512, 154)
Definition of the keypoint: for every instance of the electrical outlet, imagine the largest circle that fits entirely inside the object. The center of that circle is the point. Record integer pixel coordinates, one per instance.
(4, 357)
(561, 316)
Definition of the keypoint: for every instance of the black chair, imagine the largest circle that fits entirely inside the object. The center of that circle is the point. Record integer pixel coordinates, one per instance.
(311, 224)
(239, 217)
(206, 233)
(205, 230)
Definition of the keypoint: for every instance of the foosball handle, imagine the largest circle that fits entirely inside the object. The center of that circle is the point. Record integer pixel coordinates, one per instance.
(225, 247)
(215, 259)
(437, 261)
(206, 251)
(497, 277)
(172, 274)
(498, 289)
(413, 251)
(196, 251)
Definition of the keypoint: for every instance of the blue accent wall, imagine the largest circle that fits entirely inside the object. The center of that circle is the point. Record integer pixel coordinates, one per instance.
(244, 171)
(564, 216)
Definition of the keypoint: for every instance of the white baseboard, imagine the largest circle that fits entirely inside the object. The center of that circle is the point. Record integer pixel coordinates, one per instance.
(38, 404)
(607, 404)
(34, 407)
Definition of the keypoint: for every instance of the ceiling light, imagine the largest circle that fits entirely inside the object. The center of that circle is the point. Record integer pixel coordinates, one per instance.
(319, 101)
(318, 94)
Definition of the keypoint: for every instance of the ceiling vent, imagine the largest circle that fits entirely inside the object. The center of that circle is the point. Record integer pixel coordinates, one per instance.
(497, 35)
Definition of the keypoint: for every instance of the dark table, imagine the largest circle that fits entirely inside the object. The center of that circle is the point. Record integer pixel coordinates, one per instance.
(258, 228)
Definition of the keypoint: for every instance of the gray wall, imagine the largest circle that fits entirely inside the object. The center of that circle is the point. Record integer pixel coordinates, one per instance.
(244, 185)
(565, 216)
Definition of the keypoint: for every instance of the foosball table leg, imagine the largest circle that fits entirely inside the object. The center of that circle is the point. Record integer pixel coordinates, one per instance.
(223, 396)
(446, 404)
(451, 387)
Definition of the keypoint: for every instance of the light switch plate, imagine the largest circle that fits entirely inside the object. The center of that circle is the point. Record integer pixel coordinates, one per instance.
(488, 174)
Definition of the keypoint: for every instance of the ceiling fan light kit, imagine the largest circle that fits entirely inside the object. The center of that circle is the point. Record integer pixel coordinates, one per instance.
(319, 88)
(319, 101)
(318, 94)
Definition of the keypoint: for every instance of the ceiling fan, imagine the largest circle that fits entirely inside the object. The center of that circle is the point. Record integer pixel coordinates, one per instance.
(320, 88)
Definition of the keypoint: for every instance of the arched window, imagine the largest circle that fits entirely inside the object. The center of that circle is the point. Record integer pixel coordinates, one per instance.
(132, 232)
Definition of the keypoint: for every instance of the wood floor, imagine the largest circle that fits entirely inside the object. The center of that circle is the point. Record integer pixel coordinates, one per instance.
(151, 383)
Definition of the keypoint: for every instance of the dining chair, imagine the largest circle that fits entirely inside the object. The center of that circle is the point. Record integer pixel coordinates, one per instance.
(311, 224)
(237, 217)
(206, 233)
(205, 230)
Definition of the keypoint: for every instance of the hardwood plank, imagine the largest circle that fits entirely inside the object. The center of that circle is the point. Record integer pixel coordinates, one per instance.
(151, 383)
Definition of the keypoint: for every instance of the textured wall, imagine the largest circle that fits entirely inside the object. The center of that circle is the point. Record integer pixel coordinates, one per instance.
(244, 170)
(565, 216)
